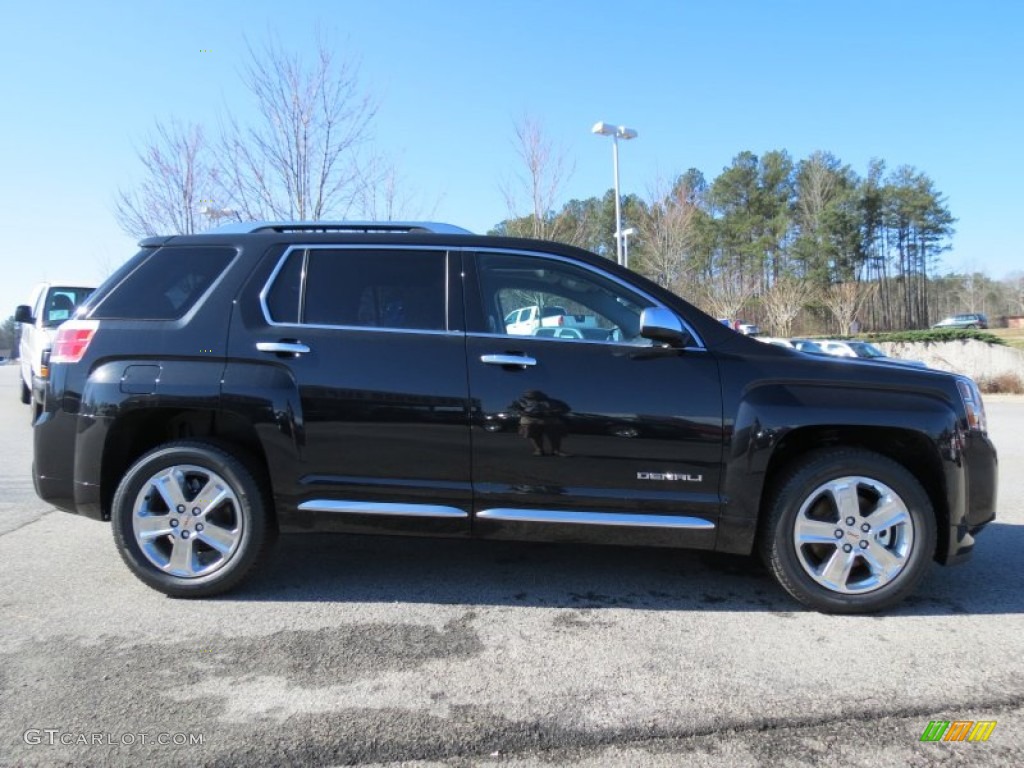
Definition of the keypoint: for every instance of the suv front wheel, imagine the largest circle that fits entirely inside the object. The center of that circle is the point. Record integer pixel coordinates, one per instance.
(849, 531)
(190, 519)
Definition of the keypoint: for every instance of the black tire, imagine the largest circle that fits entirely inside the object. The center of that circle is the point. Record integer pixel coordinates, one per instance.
(26, 393)
(196, 552)
(874, 569)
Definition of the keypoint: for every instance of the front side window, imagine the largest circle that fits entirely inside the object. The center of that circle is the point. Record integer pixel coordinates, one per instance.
(525, 295)
(360, 288)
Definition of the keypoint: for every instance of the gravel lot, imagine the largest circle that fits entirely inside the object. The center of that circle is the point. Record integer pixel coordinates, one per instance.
(375, 651)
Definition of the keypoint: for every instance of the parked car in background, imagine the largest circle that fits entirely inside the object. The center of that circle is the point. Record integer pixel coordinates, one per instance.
(589, 334)
(808, 346)
(864, 351)
(747, 329)
(526, 321)
(776, 341)
(965, 320)
(49, 306)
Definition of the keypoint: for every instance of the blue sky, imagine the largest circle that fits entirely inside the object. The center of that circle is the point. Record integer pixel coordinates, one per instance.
(934, 85)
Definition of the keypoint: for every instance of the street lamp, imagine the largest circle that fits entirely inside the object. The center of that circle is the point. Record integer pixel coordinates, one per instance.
(616, 132)
(625, 235)
(216, 214)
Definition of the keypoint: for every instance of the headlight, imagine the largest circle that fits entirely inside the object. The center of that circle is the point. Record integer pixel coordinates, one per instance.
(971, 396)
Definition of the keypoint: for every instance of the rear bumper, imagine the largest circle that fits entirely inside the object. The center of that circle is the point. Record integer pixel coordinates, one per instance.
(54, 466)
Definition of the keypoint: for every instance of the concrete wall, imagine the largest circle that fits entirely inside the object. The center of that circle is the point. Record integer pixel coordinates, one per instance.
(973, 358)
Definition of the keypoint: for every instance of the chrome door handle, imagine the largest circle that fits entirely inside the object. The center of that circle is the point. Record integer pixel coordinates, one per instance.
(283, 347)
(520, 360)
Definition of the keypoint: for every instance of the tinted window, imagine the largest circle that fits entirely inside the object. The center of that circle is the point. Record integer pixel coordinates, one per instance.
(371, 289)
(283, 296)
(166, 285)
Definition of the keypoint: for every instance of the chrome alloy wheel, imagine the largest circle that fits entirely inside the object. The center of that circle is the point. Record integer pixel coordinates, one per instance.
(853, 535)
(187, 521)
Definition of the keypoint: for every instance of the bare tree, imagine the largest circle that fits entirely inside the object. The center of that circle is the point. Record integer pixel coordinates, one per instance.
(546, 172)
(299, 160)
(176, 176)
(847, 300)
(1015, 281)
(783, 301)
(725, 292)
(384, 196)
(667, 226)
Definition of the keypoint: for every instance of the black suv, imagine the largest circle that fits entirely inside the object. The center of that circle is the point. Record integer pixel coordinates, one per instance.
(269, 377)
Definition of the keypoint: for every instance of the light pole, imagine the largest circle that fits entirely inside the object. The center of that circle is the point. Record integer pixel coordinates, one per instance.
(216, 214)
(625, 235)
(616, 132)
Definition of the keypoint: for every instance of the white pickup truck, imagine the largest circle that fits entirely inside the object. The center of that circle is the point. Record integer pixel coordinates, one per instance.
(526, 321)
(51, 304)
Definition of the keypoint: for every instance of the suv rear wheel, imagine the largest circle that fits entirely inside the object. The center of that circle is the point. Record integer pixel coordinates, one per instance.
(190, 519)
(849, 531)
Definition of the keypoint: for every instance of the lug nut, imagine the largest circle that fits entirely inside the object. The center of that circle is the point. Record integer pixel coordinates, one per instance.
(865, 527)
(863, 545)
(186, 534)
(196, 511)
(181, 509)
(174, 523)
(846, 547)
(850, 521)
(199, 527)
(839, 533)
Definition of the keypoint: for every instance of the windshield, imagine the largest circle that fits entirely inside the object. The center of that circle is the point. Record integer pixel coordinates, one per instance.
(61, 302)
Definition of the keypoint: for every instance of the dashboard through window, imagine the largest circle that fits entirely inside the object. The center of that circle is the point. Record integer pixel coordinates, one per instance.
(526, 295)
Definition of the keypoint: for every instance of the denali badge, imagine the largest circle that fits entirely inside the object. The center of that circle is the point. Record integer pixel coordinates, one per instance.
(669, 476)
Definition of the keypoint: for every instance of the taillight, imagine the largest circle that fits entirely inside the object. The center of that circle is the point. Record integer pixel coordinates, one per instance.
(72, 340)
(971, 396)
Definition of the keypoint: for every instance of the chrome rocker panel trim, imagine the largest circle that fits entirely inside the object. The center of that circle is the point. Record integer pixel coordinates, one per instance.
(376, 508)
(595, 518)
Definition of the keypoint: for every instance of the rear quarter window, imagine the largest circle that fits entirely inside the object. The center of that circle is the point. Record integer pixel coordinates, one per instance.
(165, 285)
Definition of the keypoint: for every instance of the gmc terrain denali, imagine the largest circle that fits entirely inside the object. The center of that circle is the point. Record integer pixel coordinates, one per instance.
(358, 377)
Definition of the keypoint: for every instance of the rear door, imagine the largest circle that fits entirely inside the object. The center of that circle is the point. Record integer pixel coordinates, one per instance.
(590, 439)
(381, 434)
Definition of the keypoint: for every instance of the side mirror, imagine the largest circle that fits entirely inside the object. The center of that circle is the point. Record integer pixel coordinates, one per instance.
(23, 314)
(660, 324)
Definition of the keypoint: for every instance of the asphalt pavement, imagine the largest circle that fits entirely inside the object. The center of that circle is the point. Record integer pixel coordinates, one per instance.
(390, 651)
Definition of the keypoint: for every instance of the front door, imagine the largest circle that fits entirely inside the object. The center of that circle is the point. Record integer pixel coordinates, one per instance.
(585, 431)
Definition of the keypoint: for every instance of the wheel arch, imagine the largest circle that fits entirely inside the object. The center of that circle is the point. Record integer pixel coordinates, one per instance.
(910, 448)
(137, 432)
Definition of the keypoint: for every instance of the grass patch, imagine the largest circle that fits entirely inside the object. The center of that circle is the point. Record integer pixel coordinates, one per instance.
(1014, 337)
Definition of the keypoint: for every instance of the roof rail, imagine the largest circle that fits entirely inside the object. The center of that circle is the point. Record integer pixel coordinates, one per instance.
(409, 227)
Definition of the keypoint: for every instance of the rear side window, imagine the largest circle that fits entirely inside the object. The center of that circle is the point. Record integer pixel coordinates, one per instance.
(370, 289)
(166, 285)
